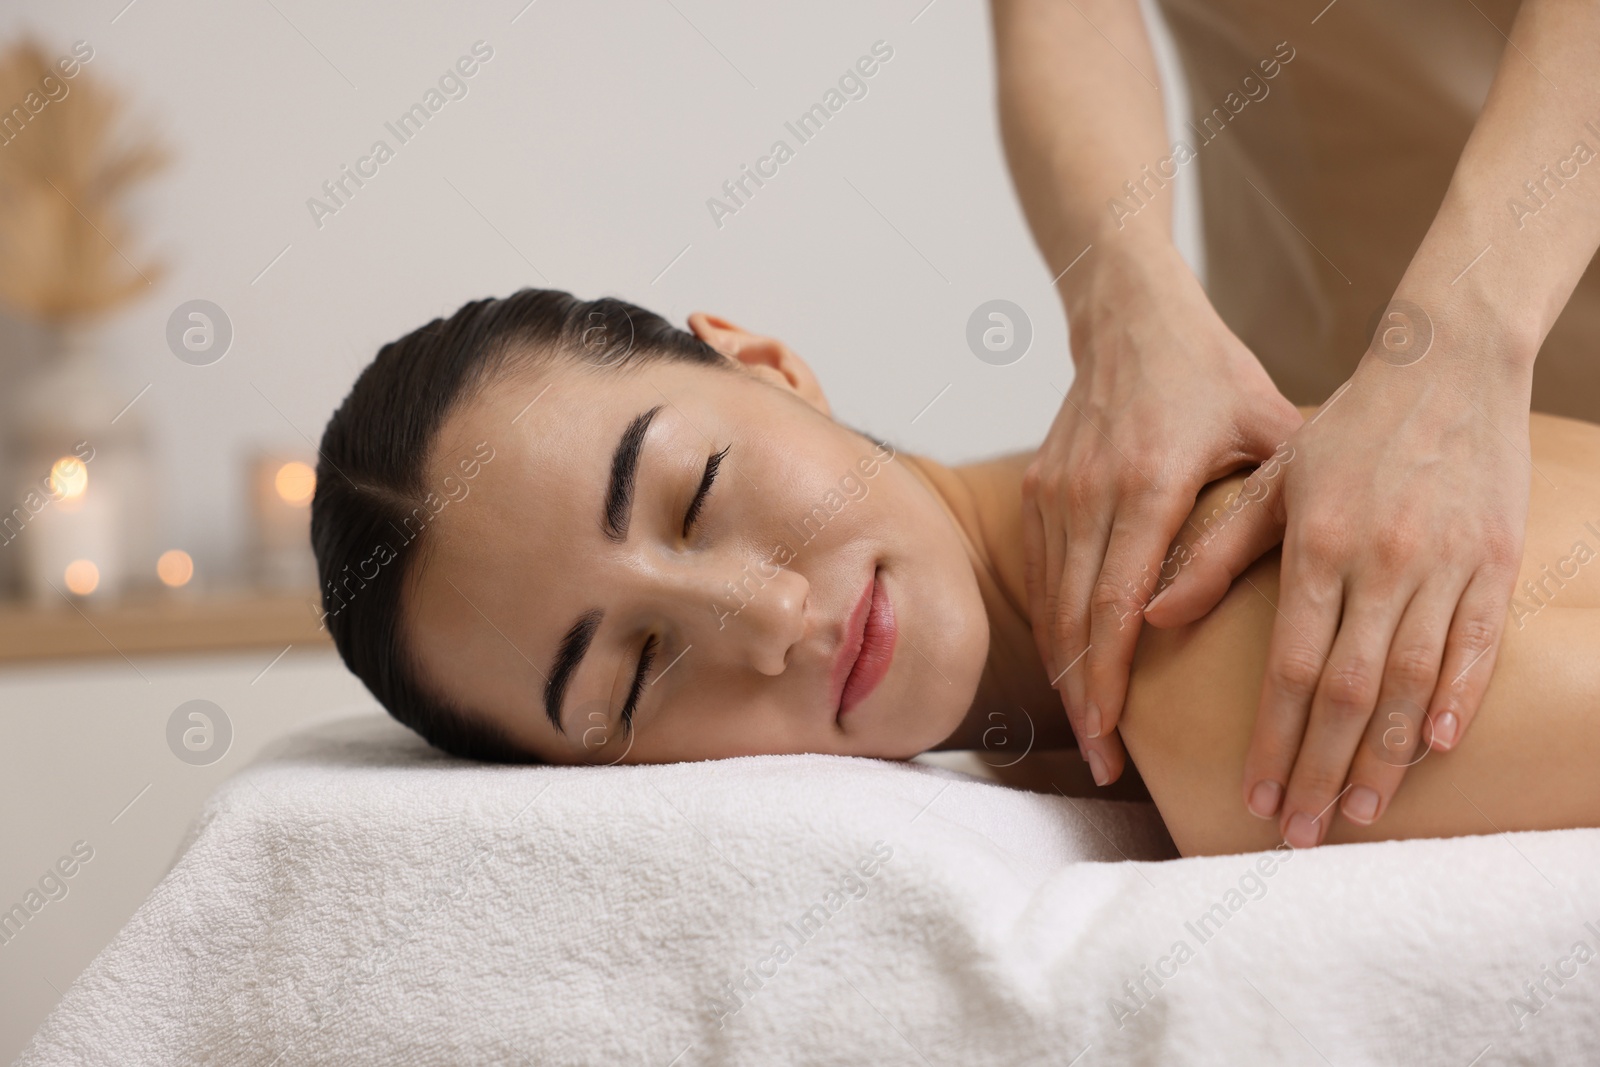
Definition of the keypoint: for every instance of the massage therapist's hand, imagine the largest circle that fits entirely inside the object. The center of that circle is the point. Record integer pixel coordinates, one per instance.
(1406, 500)
(1165, 400)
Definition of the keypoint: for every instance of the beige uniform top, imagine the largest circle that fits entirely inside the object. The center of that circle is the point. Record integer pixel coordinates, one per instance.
(1353, 144)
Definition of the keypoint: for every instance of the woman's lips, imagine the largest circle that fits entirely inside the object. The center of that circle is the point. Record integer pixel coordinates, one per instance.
(871, 647)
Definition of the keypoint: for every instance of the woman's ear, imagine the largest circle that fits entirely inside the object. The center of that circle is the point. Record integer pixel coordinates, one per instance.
(766, 357)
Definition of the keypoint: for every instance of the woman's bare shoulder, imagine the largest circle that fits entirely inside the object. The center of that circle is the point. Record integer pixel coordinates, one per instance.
(1194, 689)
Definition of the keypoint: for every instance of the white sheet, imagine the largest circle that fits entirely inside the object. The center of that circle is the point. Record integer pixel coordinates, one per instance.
(365, 901)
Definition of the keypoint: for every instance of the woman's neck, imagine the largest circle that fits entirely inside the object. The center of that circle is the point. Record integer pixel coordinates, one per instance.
(1015, 709)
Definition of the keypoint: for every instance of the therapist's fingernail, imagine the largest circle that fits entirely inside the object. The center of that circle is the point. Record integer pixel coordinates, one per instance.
(1157, 598)
(1097, 767)
(1264, 799)
(1303, 830)
(1360, 805)
(1091, 721)
(1444, 729)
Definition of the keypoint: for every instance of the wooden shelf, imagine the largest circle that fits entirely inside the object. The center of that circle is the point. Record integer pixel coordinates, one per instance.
(159, 626)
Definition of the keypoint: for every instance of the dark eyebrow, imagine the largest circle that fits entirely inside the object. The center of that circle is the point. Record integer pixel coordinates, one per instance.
(624, 468)
(614, 524)
(568, 656)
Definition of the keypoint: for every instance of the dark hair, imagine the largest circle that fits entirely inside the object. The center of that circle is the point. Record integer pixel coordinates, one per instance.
(371, 498)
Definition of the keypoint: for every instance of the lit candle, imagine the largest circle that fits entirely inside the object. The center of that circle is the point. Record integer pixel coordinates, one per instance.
(71, 543)
(282, 488)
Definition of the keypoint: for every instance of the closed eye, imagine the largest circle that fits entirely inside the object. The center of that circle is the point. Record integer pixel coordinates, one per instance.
(710, 475)
(646, 658)
(648, 654)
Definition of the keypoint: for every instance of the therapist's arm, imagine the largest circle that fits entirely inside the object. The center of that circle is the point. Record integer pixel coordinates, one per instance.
(1403, 509)
(1164, 399)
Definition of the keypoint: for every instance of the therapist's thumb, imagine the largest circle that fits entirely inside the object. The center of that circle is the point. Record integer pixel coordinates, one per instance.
(1226, 545)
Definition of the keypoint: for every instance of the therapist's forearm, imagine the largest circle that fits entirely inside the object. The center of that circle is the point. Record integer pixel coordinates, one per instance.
(1080, 114)
(1540, 121)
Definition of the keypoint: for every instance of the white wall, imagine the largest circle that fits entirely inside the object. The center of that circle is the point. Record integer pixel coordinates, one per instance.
(587, 147)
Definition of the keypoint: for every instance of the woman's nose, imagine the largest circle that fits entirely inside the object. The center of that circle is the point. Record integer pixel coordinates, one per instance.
(761, 618)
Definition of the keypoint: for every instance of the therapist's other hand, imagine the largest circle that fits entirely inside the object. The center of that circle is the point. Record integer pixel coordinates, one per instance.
(1402, 510)
(1165, 400)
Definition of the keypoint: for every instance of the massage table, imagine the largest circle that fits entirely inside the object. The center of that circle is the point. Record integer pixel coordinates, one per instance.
(356, 897)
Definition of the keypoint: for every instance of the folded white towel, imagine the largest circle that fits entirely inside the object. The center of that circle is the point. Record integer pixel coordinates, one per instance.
(360, 899)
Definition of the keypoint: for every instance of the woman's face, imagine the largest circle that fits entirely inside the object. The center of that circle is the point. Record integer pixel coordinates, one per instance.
(546, 578)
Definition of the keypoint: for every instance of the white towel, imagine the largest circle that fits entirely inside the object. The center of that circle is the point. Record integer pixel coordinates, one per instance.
(359, 899)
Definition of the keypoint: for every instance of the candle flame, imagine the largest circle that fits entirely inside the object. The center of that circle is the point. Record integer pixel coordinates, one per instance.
(69, 478)
(82, 577)
(296, 482)
(175, 567)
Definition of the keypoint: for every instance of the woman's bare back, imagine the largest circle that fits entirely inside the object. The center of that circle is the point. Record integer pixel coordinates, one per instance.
(1531, 758)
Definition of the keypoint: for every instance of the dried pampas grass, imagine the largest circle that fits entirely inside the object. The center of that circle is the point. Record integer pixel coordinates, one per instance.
(63, 235)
